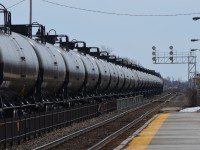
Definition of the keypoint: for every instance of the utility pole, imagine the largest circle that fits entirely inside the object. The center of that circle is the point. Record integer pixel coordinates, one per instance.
(30, 17)
(30, 12)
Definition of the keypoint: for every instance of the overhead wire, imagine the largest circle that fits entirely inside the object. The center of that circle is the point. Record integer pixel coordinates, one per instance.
(16, 4)
(120, 14)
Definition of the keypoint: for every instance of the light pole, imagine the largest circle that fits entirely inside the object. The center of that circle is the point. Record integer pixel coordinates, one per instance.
(192, 50)
(197, 79)
(194, 40)
(196, 18)
(30, 21)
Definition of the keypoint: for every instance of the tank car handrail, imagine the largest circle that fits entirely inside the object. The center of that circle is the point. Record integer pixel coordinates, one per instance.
(53, 39)
(26, 30)
(52, 30)
(7, 20)
(124, 62)
(40, 33)
(119, 61)
(95, 54)
(82, 49)
(82, 42)
(35, 23)
(103, 56)
(3, 7)
(112, 58)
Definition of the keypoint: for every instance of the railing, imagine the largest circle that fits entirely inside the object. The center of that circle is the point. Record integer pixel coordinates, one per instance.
(24, 128)
(129, 102)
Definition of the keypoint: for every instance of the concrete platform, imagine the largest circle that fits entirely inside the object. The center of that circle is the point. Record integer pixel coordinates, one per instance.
(174, 131)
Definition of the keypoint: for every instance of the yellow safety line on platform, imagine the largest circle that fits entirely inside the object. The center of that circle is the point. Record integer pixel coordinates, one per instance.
(144, 138)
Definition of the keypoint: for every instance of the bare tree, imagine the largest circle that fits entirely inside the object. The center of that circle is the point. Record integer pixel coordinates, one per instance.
(127, 59)
(110, 50)
(106, 48)
(132, 61)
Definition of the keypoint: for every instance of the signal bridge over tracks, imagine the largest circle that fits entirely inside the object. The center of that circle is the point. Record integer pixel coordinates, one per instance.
(174, 57)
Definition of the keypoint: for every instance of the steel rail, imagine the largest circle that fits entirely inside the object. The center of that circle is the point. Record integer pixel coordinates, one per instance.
(113, 136)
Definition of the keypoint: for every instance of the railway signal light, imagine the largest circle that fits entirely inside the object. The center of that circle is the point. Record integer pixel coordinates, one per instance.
(171, 54)
(171, 47)
(154, 54)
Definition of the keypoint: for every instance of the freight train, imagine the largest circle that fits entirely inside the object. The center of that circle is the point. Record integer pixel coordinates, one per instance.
(47, 71)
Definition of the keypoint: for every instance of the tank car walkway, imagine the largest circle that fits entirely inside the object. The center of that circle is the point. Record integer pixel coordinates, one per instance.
(174, 131)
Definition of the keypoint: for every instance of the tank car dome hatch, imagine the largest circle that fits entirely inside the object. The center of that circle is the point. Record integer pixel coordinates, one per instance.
(19, 63)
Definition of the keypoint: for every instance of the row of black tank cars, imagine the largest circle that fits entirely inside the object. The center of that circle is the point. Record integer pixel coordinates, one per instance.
(47, 71)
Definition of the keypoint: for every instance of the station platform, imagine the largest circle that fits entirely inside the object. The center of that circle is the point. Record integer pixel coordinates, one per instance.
(169, 131)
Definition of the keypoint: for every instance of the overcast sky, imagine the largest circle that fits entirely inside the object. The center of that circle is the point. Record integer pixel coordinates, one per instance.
(131, 37)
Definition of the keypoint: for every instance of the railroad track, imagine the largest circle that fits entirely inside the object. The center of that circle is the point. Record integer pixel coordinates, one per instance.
(104, 132)
(106, 141)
